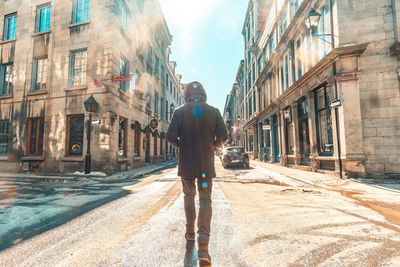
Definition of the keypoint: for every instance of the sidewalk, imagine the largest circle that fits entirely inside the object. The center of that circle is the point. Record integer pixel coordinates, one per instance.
(130, 174)
(350, 188)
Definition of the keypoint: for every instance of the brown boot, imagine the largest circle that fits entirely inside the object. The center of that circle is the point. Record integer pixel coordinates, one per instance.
(202, 253)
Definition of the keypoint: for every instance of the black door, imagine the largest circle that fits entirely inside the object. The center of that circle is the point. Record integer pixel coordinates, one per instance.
(275, 138)
(304, 136)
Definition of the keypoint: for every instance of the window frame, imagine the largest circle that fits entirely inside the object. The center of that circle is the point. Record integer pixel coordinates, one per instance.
(156, 103)
(5, 132)
(124, 70)
(328, 132)
(3, 77)
(83, 68)
(35, 74)
(39, 137)
(68, 152)
(6, 28)
(124, 16)
(38, 19)
(75, 19)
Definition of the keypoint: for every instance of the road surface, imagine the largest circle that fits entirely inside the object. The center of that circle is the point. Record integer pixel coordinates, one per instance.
(259, 219)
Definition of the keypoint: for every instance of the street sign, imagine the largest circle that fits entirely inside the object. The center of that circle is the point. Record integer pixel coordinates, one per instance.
(266, 127)
(336, 103)
(122, 78)
(96, 122)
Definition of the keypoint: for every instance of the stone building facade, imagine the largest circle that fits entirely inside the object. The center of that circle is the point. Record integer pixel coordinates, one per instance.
(326, 94)
(55, 55)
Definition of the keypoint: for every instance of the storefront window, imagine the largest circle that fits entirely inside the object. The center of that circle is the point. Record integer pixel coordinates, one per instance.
(289, 131)
(75, 131)
(324, 122)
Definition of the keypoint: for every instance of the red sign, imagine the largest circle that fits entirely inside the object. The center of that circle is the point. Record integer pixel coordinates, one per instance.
(122, 78)
(98, 83)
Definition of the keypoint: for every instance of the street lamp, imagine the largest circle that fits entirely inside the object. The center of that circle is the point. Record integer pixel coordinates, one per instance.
(313, 19)
(91, 106)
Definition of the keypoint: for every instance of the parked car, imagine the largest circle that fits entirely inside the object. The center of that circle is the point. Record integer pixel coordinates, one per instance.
(235, 156)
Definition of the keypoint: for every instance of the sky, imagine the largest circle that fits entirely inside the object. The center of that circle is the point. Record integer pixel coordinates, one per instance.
(207, 42)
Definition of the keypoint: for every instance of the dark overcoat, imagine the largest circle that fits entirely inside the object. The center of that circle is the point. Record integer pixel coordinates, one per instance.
(196, 129)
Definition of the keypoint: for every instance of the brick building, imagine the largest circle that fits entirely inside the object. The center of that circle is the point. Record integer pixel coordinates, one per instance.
(322, 85)
(55, 55)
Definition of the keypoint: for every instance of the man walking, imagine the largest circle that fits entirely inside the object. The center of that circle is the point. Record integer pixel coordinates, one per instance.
(197, 129)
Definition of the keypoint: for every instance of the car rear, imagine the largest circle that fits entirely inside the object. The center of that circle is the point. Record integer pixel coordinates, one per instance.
(235, 156)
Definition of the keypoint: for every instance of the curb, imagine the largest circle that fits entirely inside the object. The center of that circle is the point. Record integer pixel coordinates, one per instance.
(71, 177)
(121, 177)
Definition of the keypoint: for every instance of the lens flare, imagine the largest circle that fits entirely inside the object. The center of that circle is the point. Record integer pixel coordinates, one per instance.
(197, 111)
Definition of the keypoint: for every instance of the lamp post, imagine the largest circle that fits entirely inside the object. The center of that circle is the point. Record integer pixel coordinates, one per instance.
(312, 22)
(91, 106)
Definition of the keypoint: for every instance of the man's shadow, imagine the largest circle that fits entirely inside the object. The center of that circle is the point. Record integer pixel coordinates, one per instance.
(191, 256)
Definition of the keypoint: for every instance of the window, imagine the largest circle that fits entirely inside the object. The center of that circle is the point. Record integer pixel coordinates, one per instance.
(124, 17)
(289, 131)
(4, 132)
(80, 11)
(75, 133)
(148, 101)
(138, 137)
(172, 107)
(43, 15)
(35, 136)
(260, 64)
(324, 123)
(6, 78)
(122, 137)
(10, 27)
(39, 74)
(162, 108)
(157, 66)
(166, 109)
(78, 66)
(124, 71)
(156, 104)
(162, 74)
(323, 29)
(286, 72)
(298, 59)
(250, 104)
(150, 55)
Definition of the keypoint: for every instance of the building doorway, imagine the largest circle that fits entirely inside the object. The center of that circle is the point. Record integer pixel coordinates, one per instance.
(275, 139)
(304, 136)
(147, 147)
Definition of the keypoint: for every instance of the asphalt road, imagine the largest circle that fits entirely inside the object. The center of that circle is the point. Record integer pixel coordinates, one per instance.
(259, 219)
